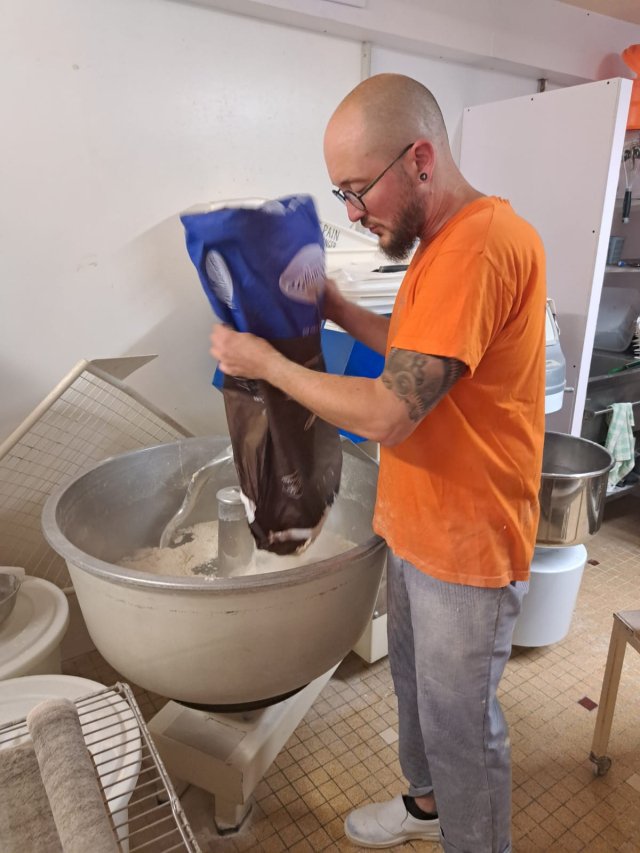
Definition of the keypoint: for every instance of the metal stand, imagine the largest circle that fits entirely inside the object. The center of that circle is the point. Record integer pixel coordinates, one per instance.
(228, 754)
(626, 629)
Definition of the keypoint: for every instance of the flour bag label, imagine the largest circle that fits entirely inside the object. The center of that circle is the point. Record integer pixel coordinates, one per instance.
(262, 268)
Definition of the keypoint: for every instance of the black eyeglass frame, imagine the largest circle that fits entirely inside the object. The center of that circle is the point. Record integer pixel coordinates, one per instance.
(355, 198)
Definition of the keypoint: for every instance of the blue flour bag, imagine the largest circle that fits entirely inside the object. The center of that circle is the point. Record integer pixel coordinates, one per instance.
(262, 269)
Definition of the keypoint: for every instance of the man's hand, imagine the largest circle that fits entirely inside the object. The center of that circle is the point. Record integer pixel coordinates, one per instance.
(242, 354)
(333, 301)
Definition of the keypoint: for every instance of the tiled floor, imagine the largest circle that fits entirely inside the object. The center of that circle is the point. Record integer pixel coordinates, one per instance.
(344, 752)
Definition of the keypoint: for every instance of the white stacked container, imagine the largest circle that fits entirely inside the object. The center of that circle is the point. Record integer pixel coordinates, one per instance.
(359, 268)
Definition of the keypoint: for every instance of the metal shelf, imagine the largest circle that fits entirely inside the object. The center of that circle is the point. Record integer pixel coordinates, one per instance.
(142, 806)
(622, 491)
(616, 269)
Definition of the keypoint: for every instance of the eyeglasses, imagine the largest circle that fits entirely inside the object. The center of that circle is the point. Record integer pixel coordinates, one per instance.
(354, 198)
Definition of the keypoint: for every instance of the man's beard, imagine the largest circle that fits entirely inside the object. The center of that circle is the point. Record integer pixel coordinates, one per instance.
(404, 231)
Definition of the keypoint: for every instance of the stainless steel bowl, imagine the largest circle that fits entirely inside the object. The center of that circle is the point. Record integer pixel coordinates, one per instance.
(573, 489)
(234, 641)
(9, 588)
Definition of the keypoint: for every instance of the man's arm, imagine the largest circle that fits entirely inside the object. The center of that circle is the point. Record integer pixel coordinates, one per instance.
(370, 329)
(419, 380)
(387, 409)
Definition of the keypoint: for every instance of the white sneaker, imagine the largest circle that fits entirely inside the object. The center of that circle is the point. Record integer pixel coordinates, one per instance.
(386, 824)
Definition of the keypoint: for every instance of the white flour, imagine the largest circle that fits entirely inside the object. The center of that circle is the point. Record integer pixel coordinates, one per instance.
(179, 561)
(182, 560)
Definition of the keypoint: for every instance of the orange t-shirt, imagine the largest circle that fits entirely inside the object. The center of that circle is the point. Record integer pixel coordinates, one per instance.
(459, 497)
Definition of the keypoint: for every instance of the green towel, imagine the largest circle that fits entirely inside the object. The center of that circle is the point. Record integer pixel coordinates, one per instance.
(621, 442)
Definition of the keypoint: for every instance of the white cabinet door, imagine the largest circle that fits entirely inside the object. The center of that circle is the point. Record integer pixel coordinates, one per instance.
(556, 157)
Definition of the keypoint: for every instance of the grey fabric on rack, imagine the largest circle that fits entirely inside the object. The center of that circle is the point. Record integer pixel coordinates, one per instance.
(26, 821)
(70, 779)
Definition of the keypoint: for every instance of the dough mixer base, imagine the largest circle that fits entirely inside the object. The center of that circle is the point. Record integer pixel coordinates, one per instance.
(227, 754)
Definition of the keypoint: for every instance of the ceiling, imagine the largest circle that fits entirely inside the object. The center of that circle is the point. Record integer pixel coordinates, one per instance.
(625, 10)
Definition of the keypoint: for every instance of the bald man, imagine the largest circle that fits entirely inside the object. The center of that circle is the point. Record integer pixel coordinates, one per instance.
(459, 414)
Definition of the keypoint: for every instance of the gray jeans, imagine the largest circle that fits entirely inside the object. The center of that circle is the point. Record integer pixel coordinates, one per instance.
(448, 646)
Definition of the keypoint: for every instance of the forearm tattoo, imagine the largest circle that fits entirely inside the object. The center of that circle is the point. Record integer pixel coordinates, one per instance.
(419, 380)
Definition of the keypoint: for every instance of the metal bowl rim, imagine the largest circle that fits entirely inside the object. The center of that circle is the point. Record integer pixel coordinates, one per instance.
(130, 577)
(584, 474)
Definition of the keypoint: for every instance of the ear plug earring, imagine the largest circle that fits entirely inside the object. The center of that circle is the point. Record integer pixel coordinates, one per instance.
(423, 176)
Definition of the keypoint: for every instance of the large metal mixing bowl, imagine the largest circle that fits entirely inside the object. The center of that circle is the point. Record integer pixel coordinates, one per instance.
(223, 642)
(573, 489)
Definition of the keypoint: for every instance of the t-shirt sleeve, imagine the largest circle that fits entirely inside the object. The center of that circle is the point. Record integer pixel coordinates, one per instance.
(458, 306)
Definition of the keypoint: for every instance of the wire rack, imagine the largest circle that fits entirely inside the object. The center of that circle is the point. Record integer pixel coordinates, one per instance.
(146, 814)
(89, 416)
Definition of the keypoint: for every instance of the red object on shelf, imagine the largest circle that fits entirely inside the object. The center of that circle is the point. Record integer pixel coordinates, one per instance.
(631, 57)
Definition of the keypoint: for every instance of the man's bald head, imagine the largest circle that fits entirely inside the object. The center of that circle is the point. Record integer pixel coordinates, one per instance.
(388, 111)
(387, 152)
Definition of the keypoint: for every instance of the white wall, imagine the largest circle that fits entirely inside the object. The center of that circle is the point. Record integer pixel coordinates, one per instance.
(117, 116)
(454, 86)
(535, 38)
